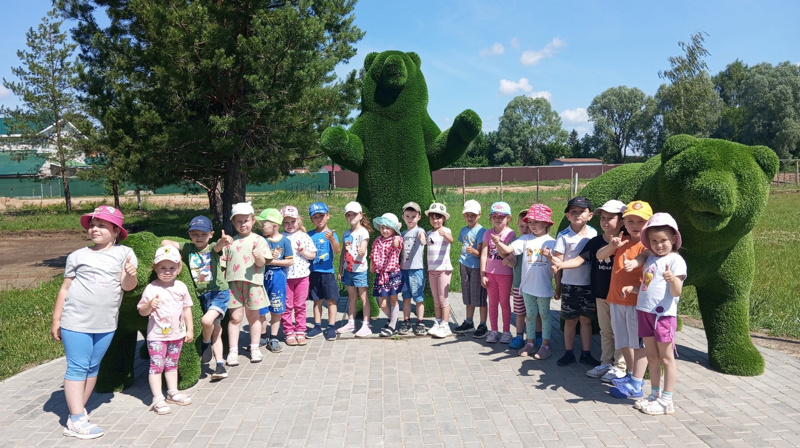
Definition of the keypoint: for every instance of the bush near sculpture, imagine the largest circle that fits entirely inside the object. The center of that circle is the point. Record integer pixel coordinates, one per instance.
(716, 190)
(116, 369)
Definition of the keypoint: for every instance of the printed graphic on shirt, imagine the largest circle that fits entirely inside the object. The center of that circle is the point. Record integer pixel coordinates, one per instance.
(200, 267)
(647, 276)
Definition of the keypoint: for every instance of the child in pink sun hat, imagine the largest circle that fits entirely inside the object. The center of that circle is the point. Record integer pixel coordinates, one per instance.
(86, 311)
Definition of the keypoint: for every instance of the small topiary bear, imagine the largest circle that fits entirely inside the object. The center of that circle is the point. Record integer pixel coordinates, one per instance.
(394, 145)
(716, 190)
(116, 369)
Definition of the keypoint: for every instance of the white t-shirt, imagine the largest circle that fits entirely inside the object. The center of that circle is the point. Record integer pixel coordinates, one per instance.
(352, 241)
(300, 267)
(654, 295)
(439, 251)
(571, 245)
(93, 300)
(536, 278)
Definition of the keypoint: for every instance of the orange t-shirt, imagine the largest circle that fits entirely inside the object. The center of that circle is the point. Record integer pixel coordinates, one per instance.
(620, 278)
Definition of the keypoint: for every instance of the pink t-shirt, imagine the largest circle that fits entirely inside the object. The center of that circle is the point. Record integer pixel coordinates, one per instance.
(494, 263)
(166, 323)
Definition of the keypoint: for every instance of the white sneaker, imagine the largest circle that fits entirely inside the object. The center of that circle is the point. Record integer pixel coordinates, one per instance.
(444, 331)
(598, 371)
(256, 355)
(349, 327)
(233, 358)
(612, 374)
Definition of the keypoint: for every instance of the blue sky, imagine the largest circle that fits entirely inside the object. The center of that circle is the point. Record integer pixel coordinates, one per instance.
(480, 54)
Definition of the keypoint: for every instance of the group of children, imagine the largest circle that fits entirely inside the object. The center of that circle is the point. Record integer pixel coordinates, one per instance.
(630, 278)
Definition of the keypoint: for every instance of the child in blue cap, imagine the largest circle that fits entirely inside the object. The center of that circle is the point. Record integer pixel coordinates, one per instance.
(322, 280)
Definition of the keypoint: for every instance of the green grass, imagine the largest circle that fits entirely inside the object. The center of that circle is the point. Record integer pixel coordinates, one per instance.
(25, 314)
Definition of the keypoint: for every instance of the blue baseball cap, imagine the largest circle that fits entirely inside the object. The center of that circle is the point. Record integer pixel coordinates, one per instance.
(317, 207)
(201, 223)
(500, 208)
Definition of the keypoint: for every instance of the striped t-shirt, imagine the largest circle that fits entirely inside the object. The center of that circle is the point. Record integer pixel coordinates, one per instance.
(439, 251)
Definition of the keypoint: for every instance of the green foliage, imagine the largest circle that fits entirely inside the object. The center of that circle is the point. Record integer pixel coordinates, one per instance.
(219, 93)
(625, 120)
(394, 145)
(116, 369)
(716, 191)
(47, 77)
(529, 134)
(689, 104)
(25, 317)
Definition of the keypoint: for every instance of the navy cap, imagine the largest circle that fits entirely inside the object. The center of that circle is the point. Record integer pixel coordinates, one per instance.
(201, 223)
(578, 201)
(317, 207)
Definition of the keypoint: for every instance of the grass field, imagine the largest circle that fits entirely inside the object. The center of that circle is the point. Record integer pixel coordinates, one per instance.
(25, 314)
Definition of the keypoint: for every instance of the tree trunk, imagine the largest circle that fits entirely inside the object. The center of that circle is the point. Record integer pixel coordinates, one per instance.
(235, 190)
(62, 159)
(215, 205)
(115, 191)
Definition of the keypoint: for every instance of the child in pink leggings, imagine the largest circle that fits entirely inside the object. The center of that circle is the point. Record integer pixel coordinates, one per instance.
(439, 267)
(294, 318)
(495, 276)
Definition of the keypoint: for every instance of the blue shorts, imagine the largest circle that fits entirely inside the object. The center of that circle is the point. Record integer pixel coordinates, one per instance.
(322, 286)
(413, 284)
(84, 351)
(215, 301)
(358, 279)
(275, 285)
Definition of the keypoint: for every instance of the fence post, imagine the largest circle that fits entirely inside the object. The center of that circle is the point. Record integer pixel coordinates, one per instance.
(571, 176)
(464, 185)
(797, 172)
(537, 183)
(501, 183)
(333, 175)
(575, 191)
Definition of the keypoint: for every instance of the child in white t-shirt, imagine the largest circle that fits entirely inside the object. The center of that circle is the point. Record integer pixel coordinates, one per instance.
(439, 267)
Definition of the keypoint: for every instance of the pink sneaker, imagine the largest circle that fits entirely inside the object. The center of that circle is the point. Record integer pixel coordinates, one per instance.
(527, 350)
(364, 331)
(349, 327)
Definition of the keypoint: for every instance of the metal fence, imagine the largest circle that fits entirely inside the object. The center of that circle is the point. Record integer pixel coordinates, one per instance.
(788, 174)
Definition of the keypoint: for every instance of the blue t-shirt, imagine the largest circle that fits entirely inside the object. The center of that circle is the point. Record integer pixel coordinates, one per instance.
(470, 238)
(284, 246)
(324, 260)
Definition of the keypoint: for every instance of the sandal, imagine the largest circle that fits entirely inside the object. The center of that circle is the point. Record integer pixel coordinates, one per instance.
(179, 398)
(160, 406)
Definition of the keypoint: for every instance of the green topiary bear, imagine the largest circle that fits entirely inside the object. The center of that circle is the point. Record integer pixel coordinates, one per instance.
(394, 145)
(116, 369)
(716, 190)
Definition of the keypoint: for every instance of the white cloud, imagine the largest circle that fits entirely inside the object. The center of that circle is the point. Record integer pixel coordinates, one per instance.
(542, 94)
(577, 115)
(508, 87)
(532, 57)
(4, 92)
(494, 50)
(515, 42)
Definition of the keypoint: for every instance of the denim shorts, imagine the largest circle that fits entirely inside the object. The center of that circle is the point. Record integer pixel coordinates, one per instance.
(217, 301)
(413, 284)
(358, 279)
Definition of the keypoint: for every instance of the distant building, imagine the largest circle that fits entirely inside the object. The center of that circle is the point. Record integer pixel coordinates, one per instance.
(23, 159)
(575, 162)
(327, 169)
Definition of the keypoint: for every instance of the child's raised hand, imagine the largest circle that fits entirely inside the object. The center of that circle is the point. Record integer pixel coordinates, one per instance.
(421, 236)
(130, 268)
(226, 238)
(626, 290)
(441, 231)
(396, 241)
(629, 265)
(361, 250)
(276, 253)
(472, 251)
(329, 235)
(555, 266)
(495, 238)
(668, 275)
(154, 302)
(300, 248)
(547, 253)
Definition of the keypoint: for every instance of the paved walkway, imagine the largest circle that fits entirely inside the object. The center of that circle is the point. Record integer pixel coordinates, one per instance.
(413, 391)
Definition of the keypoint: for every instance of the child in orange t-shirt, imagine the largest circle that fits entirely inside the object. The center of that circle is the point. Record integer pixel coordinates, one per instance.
(623, 308)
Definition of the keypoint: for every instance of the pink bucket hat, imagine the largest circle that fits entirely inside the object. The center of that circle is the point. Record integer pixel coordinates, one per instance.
(657, 220)
(106, 213)
(290, 211)
(539, 212)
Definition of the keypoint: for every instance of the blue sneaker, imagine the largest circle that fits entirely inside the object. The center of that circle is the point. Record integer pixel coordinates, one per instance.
(314, 332)
(621, 381)
(625, 391)
(517, 342)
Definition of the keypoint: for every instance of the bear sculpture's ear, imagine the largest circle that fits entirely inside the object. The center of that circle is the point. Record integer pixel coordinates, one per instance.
(675, 144)
(767, 160)
(369, 60)
(415, 57)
